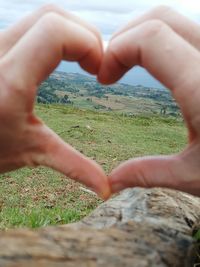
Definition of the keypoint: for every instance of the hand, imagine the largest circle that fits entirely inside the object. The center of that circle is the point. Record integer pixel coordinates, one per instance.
(29, 52)
(167, 44)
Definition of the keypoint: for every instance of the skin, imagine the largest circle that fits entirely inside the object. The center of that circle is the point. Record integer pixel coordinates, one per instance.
(162, 41)
(167, 44)
(28, 54)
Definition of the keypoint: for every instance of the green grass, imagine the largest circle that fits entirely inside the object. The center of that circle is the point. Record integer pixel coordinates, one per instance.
(196, 236)
(40, 197)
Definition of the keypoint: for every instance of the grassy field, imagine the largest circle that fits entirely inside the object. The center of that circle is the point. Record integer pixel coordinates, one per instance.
(84, 92)
(40, 197)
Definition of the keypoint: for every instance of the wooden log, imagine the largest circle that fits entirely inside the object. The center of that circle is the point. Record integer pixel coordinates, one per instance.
(139, 228)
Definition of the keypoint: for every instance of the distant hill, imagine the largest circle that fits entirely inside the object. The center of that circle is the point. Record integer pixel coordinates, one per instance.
(86, 93)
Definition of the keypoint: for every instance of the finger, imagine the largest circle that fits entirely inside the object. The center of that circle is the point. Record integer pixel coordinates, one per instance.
(175, 172)
(15, 32)
(182, 25)
(165, 55)
(37, 54)
(50, 150)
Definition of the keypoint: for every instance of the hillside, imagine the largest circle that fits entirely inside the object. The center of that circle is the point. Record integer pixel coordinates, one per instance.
(86, 93)
(34, 197)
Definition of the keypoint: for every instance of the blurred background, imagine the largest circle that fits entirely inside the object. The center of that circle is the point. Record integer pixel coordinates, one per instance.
(108, 16)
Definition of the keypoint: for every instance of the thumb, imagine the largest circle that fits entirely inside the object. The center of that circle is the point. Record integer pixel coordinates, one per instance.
(55, 153)
(163, 171)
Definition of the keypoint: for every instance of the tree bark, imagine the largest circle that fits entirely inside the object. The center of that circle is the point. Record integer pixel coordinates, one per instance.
(139, 228)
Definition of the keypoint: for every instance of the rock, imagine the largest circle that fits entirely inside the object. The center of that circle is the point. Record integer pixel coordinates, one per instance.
(138, 227)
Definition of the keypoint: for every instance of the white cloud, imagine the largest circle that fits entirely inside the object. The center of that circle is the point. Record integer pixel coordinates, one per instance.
(106, 15)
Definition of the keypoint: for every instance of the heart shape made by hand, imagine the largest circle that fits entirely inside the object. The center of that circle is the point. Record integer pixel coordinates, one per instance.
(161, 41)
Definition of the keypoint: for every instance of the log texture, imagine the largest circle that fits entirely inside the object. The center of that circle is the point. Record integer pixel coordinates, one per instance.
(139, 227)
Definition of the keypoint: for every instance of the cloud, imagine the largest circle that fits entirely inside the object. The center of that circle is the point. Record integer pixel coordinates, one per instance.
(108, 16)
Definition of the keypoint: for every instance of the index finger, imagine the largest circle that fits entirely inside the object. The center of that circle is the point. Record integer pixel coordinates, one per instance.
(182, 25)
(41, 49)
(167, 56)
(15, 32)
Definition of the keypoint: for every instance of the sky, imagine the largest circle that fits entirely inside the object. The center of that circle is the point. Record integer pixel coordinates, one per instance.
(107, 15)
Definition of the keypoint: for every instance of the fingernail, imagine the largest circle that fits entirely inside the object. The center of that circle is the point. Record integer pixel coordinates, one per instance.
(105, 194)
(103, 191)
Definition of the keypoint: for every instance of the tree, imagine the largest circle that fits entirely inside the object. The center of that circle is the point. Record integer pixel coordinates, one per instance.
(163, 110)
(65, 100)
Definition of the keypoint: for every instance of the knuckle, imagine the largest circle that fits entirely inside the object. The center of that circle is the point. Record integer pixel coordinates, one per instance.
(48, 8)
(153, 27)
(141, 177)
(161, 10)
(49, 23)
(52, 8)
